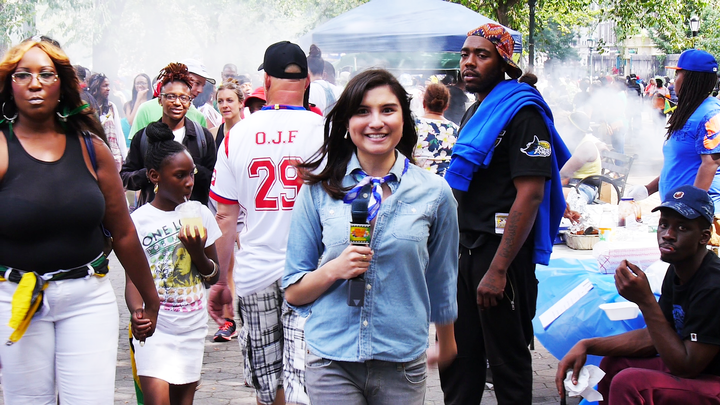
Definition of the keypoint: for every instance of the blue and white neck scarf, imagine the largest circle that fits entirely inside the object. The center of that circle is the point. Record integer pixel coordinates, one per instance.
(376, 196)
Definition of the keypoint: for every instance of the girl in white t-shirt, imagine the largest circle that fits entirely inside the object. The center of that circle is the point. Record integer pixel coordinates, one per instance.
(183, 261)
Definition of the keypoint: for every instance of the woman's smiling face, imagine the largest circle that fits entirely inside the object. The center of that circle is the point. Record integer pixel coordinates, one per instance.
(377, 126)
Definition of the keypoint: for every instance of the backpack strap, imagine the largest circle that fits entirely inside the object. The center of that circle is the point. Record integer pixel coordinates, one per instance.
(329, 95)
(144, 144)
(90, 149)
(93, 159)
(200, 138)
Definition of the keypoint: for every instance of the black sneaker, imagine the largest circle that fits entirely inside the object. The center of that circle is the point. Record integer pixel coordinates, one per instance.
(226, 332)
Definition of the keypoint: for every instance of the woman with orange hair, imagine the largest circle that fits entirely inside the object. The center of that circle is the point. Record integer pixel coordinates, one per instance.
(59, 190)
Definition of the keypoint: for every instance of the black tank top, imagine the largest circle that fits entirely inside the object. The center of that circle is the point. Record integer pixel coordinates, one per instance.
(50, 212)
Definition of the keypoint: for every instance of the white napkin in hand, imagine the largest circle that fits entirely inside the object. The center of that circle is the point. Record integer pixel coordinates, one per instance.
(588, 378)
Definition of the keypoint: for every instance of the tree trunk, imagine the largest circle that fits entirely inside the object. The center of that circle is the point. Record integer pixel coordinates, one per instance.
(503, 10)
(502, 13)
(531, 36)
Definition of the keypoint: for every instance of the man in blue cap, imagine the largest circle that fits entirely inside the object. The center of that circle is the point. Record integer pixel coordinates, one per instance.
(676, 359)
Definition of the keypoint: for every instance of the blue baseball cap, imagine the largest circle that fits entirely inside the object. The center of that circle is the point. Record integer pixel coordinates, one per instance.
(696, 60)
(690, 202)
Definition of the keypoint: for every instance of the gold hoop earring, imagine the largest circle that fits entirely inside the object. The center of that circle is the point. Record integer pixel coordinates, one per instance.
(11, 120)
(155, 189)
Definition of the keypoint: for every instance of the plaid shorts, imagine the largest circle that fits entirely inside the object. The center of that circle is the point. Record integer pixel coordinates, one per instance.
(261, 341)
(294, 357)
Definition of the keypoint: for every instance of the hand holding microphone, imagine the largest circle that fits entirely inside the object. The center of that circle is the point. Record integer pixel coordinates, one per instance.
(358, 253)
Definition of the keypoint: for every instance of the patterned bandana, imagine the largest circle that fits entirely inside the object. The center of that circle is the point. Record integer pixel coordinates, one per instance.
(376, 197)
(503, 41)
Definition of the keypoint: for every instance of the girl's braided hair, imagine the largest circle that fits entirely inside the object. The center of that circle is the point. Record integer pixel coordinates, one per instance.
(161, 145)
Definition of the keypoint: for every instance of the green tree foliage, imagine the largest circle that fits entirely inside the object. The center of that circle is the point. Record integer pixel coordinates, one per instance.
(666, 20)
(16, 16)
(674, 38)
(556, 43)
(69, 19)
(660, 15)
(507, 12)
(131, 36)
(556, 20)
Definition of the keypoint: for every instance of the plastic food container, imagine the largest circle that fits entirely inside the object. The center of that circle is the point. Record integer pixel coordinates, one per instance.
(620, 311)
(581, 242)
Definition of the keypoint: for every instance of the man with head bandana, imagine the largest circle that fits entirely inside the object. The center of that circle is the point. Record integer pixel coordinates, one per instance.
(505, 176)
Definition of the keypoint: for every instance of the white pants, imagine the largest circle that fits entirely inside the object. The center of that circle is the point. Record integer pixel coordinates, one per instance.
(69, 350)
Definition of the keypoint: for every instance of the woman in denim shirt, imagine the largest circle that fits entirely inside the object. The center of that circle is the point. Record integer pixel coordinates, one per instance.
(375, 353)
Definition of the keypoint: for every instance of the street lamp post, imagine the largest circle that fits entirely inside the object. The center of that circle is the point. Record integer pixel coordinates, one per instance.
(531, 39)
(590, 52)
(694, 28)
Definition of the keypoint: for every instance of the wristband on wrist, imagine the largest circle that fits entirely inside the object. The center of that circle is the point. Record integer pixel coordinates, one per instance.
(214, 272)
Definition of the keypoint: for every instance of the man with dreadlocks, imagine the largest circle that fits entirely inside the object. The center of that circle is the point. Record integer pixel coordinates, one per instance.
(692, 147)
(505, 174)
(175, 98)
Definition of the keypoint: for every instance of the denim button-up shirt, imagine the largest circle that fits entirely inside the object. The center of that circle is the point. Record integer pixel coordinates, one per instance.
(412, 279)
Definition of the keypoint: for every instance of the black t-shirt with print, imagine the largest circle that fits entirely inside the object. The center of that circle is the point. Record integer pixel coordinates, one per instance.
(693, 308)
(522, 149)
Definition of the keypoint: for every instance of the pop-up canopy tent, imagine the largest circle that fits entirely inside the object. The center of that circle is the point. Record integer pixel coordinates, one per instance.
(399, 26)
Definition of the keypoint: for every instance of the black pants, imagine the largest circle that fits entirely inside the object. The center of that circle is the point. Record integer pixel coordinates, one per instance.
(499, 335)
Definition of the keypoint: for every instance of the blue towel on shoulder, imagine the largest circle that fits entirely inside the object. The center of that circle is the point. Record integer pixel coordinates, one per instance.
(475, 146)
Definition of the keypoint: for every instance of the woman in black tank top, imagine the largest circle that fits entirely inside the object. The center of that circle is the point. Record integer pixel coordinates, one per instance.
(55, 194)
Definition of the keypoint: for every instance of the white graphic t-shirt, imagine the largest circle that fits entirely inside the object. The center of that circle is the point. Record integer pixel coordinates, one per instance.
(178, 282)
(255, 170)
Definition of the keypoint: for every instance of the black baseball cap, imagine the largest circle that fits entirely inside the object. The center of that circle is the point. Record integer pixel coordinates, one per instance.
(279, 56)
(690, 202)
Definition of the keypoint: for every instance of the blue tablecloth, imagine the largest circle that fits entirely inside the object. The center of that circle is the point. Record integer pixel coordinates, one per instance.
(584, 319)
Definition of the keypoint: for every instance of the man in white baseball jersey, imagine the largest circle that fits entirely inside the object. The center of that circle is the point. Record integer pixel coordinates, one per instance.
(255, 171)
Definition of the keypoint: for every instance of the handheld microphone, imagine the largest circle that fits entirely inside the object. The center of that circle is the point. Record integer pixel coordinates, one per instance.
(359, 235)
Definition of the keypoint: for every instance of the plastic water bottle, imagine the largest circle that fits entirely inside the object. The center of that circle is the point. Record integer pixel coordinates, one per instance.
(628, 212)
(607, 223)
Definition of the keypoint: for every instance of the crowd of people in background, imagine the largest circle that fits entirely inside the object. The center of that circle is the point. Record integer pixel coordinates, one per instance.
(342, 214)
